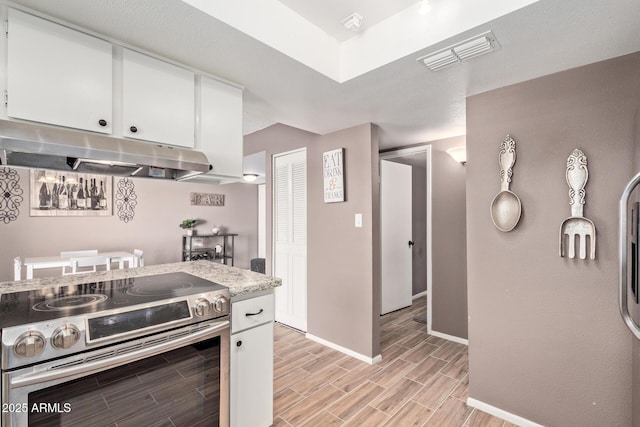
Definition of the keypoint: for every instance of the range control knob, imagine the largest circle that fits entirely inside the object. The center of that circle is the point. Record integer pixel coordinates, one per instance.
(202, 307)
(65, 337)
(221, 304)
(29, 344)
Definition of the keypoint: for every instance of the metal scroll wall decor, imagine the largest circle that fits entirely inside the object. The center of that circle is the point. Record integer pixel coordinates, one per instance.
(10, 195)
(577, 226)
(126, 199)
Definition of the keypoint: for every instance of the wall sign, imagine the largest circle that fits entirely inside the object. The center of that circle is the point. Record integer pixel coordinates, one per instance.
(207, 199)
(333, 173)
(70, 194)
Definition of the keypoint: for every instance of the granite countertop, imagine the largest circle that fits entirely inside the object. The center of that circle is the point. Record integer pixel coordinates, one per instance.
(239, 281)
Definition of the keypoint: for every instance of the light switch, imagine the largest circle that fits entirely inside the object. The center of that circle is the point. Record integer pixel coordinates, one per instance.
(358, 220)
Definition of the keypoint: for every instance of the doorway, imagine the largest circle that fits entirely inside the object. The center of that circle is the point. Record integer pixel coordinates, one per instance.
(419, 158)
(396, 241)
(290, 237)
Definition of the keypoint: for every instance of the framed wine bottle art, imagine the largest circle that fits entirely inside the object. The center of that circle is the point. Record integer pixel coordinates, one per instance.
(70, 194)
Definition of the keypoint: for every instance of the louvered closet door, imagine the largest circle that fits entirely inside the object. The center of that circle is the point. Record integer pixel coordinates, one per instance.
(290, 237)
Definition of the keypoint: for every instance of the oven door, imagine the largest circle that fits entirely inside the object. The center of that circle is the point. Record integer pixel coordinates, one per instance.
(180, 377)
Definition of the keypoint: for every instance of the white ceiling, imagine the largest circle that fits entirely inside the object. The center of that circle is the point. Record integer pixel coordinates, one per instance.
(409, 103)
(328, 14)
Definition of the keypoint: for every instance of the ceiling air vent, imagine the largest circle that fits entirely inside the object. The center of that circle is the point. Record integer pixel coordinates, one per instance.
(462, 51)
(352, 22)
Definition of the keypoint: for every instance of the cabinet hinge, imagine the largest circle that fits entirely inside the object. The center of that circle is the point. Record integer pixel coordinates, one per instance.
(6, 98)
(6, 28)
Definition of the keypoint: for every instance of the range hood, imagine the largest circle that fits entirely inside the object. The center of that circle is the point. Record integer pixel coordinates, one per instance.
(47, 147)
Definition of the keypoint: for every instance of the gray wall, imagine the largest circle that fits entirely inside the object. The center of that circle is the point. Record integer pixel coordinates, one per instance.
(342, 277)
(449, 243)
(162, 205)
(419, 228)
(546, 339)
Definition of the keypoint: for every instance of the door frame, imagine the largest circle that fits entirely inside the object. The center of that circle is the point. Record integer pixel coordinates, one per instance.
(409, 151)
(273, 222)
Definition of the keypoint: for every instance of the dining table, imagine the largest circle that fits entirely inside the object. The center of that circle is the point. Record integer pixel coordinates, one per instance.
(58, 261)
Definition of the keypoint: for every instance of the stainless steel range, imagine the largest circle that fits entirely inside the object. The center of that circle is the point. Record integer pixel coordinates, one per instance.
(137, 351)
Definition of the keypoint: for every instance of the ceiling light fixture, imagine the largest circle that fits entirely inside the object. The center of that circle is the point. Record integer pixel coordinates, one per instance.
(463, 51)
(425, 7)
(352, 22)
(459, 154)
(250, 177)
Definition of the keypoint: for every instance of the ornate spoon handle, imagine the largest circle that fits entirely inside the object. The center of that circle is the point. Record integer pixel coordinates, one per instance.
(577, 176)
(506, 158)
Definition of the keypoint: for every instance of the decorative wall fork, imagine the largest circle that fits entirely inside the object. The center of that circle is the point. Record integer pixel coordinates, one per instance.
(577, 226)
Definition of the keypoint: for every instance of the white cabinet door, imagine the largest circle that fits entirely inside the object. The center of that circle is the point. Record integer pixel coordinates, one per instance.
(158, 100)
(221, 127)
(251, 378)
(57, 75)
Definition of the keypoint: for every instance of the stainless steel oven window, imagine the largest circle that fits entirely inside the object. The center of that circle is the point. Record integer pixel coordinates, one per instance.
(182, 375)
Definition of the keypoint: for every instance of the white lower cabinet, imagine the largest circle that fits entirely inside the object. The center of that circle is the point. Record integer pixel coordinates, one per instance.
(251, 375)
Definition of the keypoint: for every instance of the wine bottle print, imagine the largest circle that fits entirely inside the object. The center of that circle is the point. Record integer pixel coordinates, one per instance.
(87, 195)
(44, 197)
(54, 195)
(101, 197)
(63, 195)
(81, 202)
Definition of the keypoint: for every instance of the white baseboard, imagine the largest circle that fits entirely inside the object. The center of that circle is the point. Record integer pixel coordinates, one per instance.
(508, 416)
(369, 360)
(450, 337)
(420, 295)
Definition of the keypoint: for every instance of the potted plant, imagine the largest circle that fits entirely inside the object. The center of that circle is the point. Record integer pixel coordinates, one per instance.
(188, 225)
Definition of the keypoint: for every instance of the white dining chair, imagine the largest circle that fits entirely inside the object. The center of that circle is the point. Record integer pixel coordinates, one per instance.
(138, 258)
(17, 268)
(89, 264)
(70, 254)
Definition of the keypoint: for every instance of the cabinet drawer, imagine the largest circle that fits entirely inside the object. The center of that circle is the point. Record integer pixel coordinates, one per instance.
(251, 312)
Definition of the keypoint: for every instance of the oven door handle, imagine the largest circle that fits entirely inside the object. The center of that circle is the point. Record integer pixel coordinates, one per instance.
(118, 359)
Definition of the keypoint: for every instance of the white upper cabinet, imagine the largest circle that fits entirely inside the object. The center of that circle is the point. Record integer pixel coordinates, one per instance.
(57, 75)
(221, 127)
(64, 77)
(158, 100)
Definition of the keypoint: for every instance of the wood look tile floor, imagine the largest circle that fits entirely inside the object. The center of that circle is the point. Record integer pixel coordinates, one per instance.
(422, 380)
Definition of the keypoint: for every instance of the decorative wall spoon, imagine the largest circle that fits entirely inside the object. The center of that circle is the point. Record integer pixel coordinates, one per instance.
(506, 207)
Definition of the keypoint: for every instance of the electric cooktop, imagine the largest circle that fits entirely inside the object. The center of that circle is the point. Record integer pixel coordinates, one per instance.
(19, 308)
